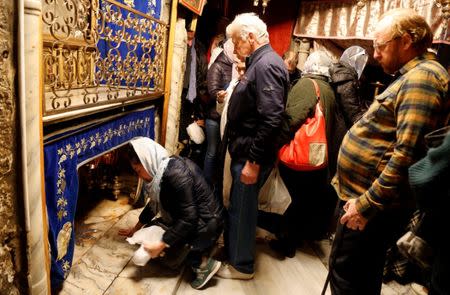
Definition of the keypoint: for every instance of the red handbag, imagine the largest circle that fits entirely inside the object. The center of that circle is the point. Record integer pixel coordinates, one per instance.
(308, 150)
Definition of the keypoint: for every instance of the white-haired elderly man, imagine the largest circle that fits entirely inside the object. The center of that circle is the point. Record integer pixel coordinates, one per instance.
(254, 119)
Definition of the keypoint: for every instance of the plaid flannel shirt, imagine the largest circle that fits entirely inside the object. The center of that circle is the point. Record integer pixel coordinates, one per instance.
(377, 151)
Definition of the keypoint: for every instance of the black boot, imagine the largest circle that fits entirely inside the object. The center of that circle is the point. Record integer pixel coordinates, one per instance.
(283, 247)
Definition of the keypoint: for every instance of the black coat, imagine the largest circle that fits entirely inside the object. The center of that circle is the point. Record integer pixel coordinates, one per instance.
(294, 77)
(189, 200)
(348, 94)
(219, 77)
(256, 107)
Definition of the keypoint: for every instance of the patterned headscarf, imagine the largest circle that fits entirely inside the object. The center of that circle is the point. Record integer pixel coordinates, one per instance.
(317, 63)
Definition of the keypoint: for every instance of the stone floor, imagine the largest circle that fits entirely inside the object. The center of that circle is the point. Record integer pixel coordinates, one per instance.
(102, 264)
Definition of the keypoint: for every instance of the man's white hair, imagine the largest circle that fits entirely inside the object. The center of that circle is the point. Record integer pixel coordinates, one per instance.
(246, 23)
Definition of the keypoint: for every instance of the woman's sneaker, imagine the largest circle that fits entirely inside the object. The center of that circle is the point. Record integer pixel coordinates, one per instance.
(203, 275)
(227, 271)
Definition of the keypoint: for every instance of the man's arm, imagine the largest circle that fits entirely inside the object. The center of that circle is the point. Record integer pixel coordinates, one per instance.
(418, 107)
(270, 94)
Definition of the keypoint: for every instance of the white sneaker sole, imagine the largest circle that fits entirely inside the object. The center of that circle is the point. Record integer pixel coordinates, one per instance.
(235, 275)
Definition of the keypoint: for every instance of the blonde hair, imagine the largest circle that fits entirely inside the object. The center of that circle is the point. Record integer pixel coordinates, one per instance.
(404, 20)
(246, 23)
(291, 57)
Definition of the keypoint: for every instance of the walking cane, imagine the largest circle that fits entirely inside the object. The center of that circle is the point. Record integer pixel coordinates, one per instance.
(333, 257)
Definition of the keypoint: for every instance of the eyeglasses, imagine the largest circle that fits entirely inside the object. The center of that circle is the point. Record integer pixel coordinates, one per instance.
(382, 45)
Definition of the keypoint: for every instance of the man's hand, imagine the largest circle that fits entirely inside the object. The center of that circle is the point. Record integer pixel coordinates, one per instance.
(352, 219)
(155, 249)
(250, 172)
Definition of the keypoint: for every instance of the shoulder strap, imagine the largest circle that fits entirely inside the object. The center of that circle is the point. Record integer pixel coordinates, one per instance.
(316, 87)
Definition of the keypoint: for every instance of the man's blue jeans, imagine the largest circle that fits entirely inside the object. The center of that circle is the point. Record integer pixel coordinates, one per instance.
(242, 216)
(212, 139)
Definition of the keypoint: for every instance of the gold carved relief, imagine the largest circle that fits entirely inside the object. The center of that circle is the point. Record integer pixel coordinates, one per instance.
(444, 5)
(10, 254)
(7, 110)
(98, 54)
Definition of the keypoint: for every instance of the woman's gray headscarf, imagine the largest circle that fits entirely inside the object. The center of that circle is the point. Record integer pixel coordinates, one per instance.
(356, 57)
(317, 63)
(154, 158)
(228, 49)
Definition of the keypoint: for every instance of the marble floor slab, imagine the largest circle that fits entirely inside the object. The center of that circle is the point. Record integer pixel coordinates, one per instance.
(104, 266)
(101, 264)
(303, 274)
(93, 226)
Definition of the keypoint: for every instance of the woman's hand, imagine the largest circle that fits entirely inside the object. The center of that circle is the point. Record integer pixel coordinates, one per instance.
(221, 96)
(128, 232)
(155, 249)
(200, 122)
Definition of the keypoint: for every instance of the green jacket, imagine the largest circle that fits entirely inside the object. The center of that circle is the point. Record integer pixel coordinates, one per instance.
(429, 177)
(301, 104)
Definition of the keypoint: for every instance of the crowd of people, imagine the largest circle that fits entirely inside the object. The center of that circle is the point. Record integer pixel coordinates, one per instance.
(380, 168)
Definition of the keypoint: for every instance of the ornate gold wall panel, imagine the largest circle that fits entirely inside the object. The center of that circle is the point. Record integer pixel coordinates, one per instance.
(100, 52)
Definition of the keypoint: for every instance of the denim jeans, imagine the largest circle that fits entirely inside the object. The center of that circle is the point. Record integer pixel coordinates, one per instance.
(212, 139)
(242, 215)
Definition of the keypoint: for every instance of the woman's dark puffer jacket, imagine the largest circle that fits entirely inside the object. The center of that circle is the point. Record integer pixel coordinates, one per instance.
(189, 200)
(219, 76)
(346, 84)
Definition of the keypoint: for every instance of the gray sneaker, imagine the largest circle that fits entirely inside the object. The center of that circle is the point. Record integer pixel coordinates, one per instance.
(227, 271)
(203, 275)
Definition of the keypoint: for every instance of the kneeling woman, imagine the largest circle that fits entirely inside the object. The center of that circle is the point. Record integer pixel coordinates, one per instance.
(180, 194)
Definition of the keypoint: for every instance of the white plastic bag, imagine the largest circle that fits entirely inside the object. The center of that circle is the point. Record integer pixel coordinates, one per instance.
(150, 234)
(141, 256)
(274, 196)
(195, 133)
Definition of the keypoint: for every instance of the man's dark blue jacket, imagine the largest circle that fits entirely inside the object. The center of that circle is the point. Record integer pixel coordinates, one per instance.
(256, 107)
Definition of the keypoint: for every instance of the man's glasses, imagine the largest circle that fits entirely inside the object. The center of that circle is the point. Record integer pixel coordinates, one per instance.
(380, 46)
